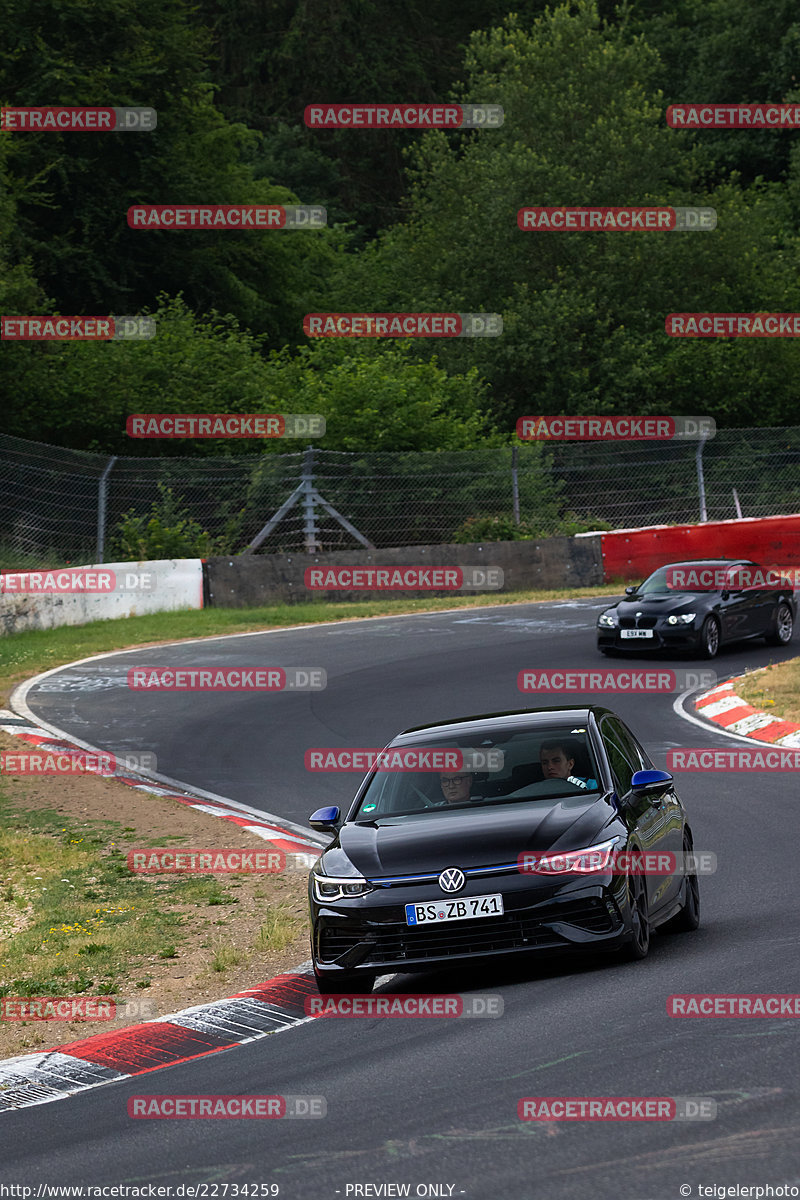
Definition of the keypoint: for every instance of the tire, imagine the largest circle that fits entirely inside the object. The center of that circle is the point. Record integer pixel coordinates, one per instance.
(709, 638)
(344, 982)
(688, 916)
(783, 626)
(638, 945)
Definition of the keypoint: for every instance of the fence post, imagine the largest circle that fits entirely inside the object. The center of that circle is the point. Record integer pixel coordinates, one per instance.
(102, 497)
(701, 483)
(515, 483)
(310, 538)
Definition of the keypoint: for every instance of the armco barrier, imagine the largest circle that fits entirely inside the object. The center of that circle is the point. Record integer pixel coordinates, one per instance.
(634, 553)
(250, 579)
(172, 584)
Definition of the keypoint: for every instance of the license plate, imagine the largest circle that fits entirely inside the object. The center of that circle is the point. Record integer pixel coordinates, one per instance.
(635, 633)
(454, 910)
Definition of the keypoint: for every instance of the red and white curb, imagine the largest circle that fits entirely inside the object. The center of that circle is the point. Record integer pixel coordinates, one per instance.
(284, 836)
(272, 1007)
(724, 708)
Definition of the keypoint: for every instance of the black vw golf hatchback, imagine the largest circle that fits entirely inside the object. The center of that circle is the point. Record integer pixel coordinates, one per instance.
(450, 862)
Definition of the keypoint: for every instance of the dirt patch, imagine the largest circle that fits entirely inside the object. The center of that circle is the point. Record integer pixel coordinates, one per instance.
(210, 932)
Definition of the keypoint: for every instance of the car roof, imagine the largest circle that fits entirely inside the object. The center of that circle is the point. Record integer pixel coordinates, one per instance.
(511, 720)
(708, 562)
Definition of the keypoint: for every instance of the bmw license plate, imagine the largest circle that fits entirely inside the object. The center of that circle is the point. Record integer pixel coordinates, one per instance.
(454, 910)
(635, 633)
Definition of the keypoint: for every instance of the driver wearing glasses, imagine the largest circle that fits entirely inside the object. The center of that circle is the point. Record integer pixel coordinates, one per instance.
(456, 788)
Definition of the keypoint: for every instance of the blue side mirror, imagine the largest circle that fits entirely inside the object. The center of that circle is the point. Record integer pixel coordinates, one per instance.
(651, 784)
(324, 820)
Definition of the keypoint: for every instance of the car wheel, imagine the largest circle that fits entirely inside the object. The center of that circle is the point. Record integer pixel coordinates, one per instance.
(344, 981)
(783, 626)
(639, 943)
(709, 637)
(688, 916)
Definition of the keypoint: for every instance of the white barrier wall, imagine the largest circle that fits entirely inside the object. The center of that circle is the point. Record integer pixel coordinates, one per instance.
(44, 599)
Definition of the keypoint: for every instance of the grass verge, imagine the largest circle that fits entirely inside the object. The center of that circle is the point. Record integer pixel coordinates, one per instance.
(774, 689)
(73, 918)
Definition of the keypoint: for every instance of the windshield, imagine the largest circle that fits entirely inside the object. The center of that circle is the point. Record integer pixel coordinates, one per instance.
(551, 762)
(657, 582)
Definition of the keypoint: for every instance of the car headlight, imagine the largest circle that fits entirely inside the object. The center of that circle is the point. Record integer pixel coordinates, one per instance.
(607, 620)
(591, 860)
(682, 619)
(328, 888)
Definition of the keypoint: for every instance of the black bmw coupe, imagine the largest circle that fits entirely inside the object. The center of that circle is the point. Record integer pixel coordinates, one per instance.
(427, 867)
(700, 606)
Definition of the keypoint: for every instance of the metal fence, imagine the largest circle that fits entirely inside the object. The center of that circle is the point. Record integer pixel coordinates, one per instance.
(59, 505)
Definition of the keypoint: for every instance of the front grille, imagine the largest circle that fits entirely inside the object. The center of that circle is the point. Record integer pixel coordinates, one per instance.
(509, 932)
(643, 623)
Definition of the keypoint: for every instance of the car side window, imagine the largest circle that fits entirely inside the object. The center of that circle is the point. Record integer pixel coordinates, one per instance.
(637, 756)
(620, 755)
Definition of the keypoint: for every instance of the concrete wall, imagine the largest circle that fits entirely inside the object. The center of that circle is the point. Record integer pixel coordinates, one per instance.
(252, 579)
(144, 587)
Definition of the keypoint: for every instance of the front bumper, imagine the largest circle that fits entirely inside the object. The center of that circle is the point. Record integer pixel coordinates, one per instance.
(375, 939)
(673, 637)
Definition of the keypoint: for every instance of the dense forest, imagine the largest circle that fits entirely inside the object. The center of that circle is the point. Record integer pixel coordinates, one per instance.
(417, 221)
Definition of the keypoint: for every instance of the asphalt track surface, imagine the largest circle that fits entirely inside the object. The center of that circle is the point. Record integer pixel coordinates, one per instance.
(434, 1102)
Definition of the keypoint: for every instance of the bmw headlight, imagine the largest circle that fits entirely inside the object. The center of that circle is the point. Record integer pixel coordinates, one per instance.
(607, 619)
(328, 888)
(681, 619)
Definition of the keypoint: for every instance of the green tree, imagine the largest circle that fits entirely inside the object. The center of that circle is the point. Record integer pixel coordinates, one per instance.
(584, 312)
(74, 189)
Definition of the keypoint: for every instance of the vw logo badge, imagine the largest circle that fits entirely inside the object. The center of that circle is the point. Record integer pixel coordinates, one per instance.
(452, 880)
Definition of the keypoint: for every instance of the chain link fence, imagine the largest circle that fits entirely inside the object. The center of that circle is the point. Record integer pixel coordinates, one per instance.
(59, 506)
